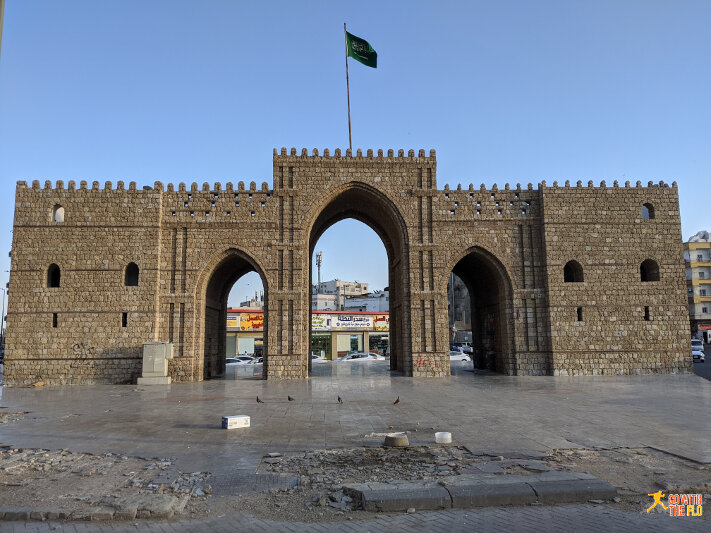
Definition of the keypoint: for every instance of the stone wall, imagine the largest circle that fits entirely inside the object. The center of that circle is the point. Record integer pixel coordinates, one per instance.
(509, 246)
(603, 229)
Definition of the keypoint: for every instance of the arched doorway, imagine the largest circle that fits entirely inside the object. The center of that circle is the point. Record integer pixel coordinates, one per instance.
(491, 301)
(366, 204)
(220, 275)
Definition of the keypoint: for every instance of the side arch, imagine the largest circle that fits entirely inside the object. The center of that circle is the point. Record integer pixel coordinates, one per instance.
(491, 296)
(212, 289)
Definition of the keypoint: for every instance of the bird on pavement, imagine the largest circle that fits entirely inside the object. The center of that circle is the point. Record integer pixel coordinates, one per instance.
(340, 400)
(397, 401)
(290, 398)
(258, 400)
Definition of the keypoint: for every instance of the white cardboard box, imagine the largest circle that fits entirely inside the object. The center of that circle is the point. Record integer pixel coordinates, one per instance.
(237, 421)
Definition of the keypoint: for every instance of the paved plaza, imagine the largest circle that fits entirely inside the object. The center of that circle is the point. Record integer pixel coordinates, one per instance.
(484, 412)
(563, 519)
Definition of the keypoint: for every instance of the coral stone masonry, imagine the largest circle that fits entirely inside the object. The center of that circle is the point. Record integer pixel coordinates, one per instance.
(564, 279)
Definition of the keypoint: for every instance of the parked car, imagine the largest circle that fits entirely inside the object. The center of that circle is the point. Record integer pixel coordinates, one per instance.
(256, 361)
(697, 350)
(459, 356)
(462, 347)
(239, 360)
(361, 356)
(318, 359)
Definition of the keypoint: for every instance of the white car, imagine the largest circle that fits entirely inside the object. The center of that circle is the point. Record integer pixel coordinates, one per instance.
(697, 350)
(459, 356)
(239, 360)
(361, 356)
(317, 359)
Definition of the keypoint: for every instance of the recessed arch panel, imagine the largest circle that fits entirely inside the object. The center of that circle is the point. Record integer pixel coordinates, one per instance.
(131, 274)
(573, 272)
(649, 270)
(54, 276)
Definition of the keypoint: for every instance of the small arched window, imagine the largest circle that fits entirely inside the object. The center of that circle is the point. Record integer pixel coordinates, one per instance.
(131, 275)
(647, 211)
(58, 214)
(54, 275)
(572, 272)
(649, 270)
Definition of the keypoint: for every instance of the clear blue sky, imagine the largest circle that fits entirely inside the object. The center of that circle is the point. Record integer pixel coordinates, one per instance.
(505, 91)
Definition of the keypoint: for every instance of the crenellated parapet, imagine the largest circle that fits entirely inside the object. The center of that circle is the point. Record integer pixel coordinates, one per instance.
(370, 154)
(413, 172)
(156, 187)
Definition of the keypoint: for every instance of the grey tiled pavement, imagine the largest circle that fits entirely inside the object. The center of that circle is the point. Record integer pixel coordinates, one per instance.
(564, 518)
(483, 412)
(487, 413)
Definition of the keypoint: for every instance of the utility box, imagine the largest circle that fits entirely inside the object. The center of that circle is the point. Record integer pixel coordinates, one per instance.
(155, 363)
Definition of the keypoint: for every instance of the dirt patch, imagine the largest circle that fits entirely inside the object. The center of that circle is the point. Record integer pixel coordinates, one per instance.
(636, 473)
(84, 482)
(6, 418)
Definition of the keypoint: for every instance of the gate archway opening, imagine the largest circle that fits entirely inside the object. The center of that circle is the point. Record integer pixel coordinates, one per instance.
(350, 299)
(367, 205)
(232, 266)
(490, 312)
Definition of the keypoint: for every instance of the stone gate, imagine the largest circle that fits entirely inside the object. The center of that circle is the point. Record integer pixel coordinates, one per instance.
(565, 280)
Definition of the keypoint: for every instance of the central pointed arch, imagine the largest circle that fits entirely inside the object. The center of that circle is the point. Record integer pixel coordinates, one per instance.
(366, 204)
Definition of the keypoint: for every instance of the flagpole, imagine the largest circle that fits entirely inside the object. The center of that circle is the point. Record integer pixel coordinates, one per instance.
(348, 92)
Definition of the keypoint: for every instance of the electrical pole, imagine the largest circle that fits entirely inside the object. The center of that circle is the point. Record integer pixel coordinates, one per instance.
(319, 260)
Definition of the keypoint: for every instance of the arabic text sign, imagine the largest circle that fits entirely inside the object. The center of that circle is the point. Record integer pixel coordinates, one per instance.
(381, 322)
(251, 321)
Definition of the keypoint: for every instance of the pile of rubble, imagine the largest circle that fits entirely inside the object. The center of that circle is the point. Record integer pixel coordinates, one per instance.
(327, 468)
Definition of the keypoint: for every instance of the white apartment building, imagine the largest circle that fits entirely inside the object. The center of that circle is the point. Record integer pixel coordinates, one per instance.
(324, 302)
(697, 255)
(340, 289)
(375, 302)
(254, 303)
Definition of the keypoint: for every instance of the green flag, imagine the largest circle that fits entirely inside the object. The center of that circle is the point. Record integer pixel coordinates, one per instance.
(360, 50)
